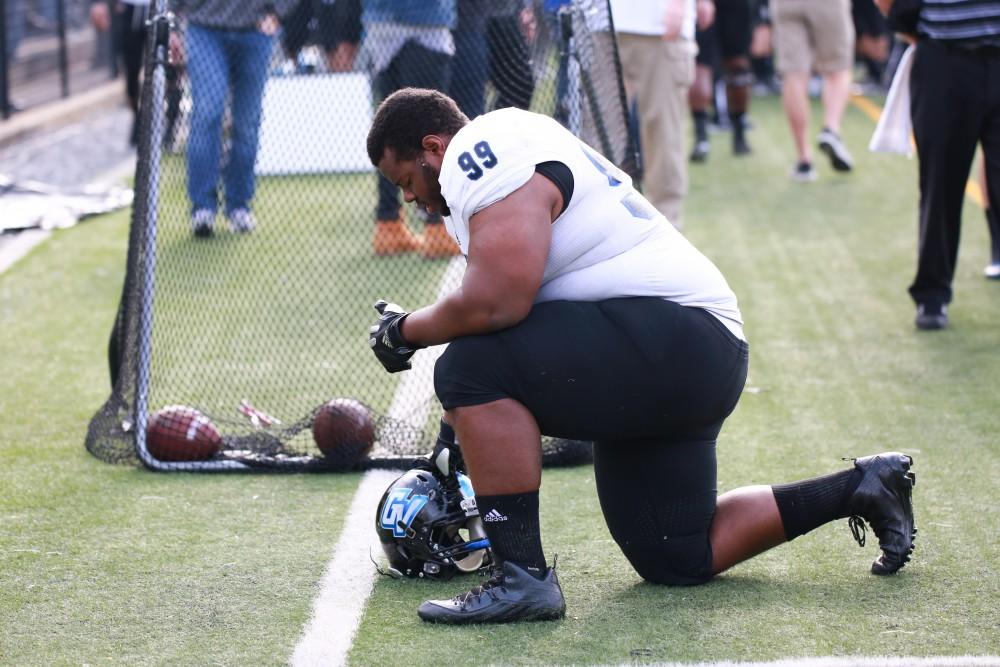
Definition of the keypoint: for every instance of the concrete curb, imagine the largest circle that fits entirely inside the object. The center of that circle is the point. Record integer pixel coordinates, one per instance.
(63, 112)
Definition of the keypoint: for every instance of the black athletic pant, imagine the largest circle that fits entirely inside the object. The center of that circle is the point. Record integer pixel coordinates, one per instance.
(649, 381)
(955, 105)
(130, 24)
(510, 63)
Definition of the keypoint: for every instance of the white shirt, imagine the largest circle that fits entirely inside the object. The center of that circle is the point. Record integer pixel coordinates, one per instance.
(609, 242)
(645, 17)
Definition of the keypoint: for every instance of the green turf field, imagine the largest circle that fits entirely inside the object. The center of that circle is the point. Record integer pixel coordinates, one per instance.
(113, 565)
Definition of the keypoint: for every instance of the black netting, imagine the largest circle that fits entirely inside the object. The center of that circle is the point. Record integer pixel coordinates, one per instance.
(254, 253)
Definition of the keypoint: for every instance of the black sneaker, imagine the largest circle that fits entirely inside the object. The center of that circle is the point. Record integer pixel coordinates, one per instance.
(700, 151)
(931, 316)
(883, 499)
(831, 144)
(203, 223)
(741, 146)
(511, 594)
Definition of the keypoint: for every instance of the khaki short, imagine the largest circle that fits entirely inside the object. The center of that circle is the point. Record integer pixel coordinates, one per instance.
(813, 34)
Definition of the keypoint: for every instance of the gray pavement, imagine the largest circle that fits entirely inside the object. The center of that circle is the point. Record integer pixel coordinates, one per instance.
(73, 155)
(90, 148)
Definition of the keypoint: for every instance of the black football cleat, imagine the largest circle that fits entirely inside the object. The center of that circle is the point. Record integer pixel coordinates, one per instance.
(510, 595)
(884, 500)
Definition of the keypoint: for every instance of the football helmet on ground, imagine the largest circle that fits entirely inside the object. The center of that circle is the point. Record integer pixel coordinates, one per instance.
(429, 526)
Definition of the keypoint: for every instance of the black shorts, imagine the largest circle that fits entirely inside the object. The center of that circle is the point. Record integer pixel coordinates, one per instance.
(312, 22)
(620, 369)
(649, 381)
(730, 35)
(868, 20)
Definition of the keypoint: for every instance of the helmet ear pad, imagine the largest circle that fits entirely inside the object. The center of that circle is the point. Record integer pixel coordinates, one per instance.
(420, 522)
(480, 558)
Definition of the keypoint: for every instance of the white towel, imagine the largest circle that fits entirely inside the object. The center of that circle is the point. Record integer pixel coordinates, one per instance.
(892, 134)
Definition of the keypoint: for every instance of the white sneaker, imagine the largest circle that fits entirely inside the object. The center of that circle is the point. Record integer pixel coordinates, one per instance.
(992, 271)
(803, 172)
(202, 222)
(831, 144)
(241, 221)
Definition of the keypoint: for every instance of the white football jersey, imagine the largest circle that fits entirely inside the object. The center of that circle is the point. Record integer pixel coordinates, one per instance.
(609, 242)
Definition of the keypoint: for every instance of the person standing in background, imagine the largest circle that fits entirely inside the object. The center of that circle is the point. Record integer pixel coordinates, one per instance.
(728, 36)
(490, 45)
(657, 49)
(227, 50)
(815, 34)
(408, 43)
(128, 20)
(954, 106)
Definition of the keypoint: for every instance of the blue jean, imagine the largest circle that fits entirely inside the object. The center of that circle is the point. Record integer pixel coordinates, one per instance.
(220, 62)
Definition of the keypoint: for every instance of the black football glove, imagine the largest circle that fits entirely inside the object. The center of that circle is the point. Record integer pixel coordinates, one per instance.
(387, 340)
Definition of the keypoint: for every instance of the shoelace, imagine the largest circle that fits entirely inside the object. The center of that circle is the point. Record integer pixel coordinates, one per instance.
(495, 581)
(858, 529)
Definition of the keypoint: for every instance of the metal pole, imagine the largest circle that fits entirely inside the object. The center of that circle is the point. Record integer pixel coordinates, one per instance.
(63, 59)
(4, 80)
(150, 146)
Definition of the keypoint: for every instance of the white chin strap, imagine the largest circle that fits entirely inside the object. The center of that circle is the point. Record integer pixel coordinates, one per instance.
(474, 560)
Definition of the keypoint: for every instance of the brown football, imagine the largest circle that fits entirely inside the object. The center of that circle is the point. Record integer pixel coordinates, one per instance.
(180, 433)
(344, 431)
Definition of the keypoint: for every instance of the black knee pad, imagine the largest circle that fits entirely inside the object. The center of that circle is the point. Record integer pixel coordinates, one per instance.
(684, 560)
(740, 77)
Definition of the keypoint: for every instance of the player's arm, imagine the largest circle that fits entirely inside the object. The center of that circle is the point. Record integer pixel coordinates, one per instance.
(508, 246)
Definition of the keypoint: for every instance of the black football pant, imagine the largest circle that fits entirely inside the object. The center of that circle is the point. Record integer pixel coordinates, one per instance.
(955, 105)
(650, 382)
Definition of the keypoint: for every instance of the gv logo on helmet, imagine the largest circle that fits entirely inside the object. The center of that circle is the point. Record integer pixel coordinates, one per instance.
(400, 510)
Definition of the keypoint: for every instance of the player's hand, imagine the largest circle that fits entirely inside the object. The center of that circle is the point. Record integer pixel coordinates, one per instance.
(100, 16)
(386, 338)
(673, 20)
(269, 24)
(176, 48)
(341, 59)
(704, 14)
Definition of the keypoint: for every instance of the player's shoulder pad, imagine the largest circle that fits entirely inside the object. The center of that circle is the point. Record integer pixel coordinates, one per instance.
(488, 159)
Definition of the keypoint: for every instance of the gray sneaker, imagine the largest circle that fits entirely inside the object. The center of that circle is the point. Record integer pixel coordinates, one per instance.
(803, 172)
(203, 223)
(831, 144)
(511, 594)
(241, 220)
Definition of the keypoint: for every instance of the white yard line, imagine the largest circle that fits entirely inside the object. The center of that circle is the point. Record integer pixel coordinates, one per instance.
(350, 574)
(347, 582)
(19, 245)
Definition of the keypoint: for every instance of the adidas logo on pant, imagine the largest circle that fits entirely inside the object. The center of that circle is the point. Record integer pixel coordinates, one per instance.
(493, 515)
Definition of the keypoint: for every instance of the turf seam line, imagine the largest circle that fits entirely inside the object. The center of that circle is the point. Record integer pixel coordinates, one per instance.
(19, 246)
(857, 661)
